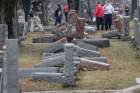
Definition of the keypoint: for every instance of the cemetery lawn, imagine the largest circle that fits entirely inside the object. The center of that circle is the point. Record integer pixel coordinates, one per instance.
(125, 67)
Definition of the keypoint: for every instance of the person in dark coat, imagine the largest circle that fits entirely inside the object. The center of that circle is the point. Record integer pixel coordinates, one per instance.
(58, 15)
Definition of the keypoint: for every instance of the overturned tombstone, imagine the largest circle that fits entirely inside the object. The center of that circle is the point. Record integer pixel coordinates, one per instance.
(82, 52)
(85, 63)
(90, 29)
(67, 77)
(59, 59)
(56, 46)
(101, 43)
(85, 45)
(45, 39)
(99, 59)
(111, 34)
(27, 72)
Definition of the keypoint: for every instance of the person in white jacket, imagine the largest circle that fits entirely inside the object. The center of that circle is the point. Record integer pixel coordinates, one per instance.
(108, 11)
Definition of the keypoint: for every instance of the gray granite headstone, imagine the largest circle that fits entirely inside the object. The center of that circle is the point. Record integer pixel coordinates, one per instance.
(137, 34)
(125, 35)
(3, 34)
(11, 78)
(69, 65)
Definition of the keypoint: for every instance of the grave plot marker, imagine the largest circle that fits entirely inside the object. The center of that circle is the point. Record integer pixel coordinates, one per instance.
(10, 74)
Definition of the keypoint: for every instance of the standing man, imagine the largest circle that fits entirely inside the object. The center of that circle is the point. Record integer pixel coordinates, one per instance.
(58, 15)
(99, 13)
(66, 10)
(108, 11)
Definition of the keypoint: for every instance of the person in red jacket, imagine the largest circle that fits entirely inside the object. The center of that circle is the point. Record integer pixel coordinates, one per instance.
(66, 10)
(99, 13)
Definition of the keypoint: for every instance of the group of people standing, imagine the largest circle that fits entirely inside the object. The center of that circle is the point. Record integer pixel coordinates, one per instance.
(103, 14)
(58, 13)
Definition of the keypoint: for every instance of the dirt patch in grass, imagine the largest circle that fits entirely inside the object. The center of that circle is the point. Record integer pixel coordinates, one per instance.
(125, 67)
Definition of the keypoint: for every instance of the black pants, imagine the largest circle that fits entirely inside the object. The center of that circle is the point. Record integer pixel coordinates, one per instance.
(66, 16)
(100, 22)
(108, 21)
(57, 20)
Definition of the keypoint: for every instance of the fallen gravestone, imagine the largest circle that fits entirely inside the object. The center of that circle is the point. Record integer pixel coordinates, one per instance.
(54, 47)
(90, 29)
(93, 65)
(85, 45)
(45, 39)
(67, 77)
(111, 34)
(27, 72)
(101, 43)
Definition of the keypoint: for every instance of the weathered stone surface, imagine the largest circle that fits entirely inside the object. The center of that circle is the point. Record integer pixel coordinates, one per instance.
(52, 55)
(47, 39)
(91, 65)
(85, 45)
(101, 43)
(1, 78)
(80, 28)
(137, 33)
(3, 34)
(27, 72)
(125, 36)
(11, 78)
(50, 77)
(90, 29)
(111, 34)
(69, 65)
(100, 59)
(82, 52)
(72, 17)
(54, 47)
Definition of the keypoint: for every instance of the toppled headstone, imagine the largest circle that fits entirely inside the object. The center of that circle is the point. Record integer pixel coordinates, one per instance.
(93, 65)
(47, 39)
(52, 55)
(100, 59)
(50, 62)
(81, 52)
(90, 29)
(111, 34)
(54, 47)
(85, 45)
(27, 72)
(101, 43)
(50, 77)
